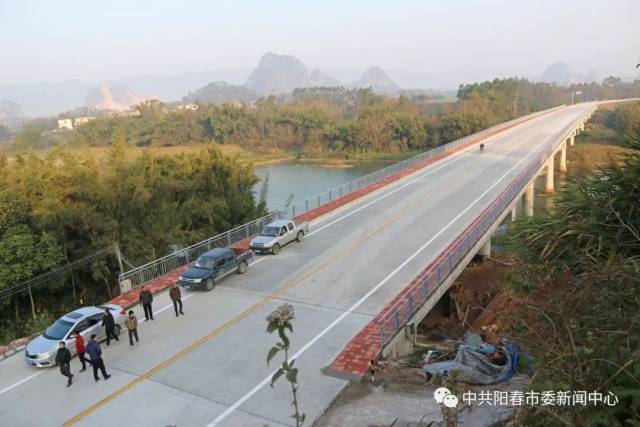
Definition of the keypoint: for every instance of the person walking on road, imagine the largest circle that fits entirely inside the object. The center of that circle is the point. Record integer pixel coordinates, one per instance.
(109, 324)
(482, 147)
(132, 327)
(146, 298)
(63, 359)
(80, 350)
(95, 353)
(176, 297)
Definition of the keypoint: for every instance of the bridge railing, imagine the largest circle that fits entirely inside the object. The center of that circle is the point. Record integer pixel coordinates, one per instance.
(173, 261)
(325, 197)
(422, 287)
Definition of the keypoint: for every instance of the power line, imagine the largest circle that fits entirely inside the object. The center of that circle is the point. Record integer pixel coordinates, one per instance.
(58, 271)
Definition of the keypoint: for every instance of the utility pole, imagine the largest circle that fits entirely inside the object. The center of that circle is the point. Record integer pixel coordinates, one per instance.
(116, 249)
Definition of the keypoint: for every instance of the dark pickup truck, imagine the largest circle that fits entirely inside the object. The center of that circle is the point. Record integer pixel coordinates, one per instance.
(213, 266)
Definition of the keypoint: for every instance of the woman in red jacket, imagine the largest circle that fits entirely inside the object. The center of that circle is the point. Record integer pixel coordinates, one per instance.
(80, 350)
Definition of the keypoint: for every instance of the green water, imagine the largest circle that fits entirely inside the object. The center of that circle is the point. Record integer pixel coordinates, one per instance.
(303, 180)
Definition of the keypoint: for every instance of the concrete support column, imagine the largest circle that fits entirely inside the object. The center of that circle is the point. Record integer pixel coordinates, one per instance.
(513, 213)
(485, 250)
(572, 140)
(528, 200)
(549, 187)
(563, 157)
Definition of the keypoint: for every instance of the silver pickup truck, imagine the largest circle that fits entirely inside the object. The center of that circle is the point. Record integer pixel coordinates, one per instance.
(277, 234)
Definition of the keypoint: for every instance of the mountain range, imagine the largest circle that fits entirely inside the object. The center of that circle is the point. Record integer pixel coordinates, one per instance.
(561, 74)
(280, 74)
(274, 75)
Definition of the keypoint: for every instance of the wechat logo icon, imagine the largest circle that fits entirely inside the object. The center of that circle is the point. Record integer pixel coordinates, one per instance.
(443, 395)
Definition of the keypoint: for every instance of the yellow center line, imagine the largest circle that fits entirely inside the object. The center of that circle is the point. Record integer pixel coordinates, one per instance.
(240, 316)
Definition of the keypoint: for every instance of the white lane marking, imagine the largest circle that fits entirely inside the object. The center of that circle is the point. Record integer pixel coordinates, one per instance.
(384, 196)
(24, 380)
(358, 303)
(462, 155)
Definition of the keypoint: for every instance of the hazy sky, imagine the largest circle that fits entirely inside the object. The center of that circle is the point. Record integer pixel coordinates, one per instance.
(445, 42)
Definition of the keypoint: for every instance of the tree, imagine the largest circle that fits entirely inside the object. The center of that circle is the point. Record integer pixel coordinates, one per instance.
(4, 132)
(280, 321)
(24, 254)
(578, 288)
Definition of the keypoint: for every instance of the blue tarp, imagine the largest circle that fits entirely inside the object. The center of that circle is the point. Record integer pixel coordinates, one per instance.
(473, 366)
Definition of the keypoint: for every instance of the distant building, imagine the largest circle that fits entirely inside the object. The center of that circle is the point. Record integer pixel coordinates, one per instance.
(131, 113)
(188, 107)
(82, 120)
(65, 124)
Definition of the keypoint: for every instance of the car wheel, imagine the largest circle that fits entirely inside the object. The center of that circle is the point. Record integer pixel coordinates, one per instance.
(275, 249)
(242, 268)
(300, 236)
(209, 284)
(116, 330)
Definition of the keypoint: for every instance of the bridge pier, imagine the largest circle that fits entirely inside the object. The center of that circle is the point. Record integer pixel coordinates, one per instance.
(528, 199)
(485, 249)
(572, 139)
(563, 157)
(514, 213)
(549, 186)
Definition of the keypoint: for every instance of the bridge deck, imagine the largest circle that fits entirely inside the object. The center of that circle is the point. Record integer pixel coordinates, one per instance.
(210, 364)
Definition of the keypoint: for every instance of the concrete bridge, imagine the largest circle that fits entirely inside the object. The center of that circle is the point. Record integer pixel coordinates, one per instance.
(373, 265)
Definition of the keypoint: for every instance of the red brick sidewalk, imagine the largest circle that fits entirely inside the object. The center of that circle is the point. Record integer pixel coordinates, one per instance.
(353, 362)
(159, 284)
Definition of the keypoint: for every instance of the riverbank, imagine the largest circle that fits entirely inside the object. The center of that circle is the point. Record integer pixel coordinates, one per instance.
(335, 160)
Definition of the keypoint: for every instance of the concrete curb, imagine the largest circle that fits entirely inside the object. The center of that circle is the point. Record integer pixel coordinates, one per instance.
(159, 284)
(353, 361)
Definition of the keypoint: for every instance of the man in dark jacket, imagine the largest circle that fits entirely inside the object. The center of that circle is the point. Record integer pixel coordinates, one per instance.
(109, 324)
(63, 358)
(176, 297)
(146, 298)
(95, 353)
(80, 350)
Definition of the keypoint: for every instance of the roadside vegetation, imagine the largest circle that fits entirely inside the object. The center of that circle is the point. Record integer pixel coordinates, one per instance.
(162, 178)
(65, 205)
(328, 122)
(577, 287)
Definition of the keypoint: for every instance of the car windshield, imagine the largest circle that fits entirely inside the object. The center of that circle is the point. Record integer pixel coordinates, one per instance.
(58, 330)
(204, 262)
(270, 231)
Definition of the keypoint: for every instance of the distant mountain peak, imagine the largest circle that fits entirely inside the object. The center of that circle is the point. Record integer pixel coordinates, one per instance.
(320, 78)
(277, 74)
(560, 73)
(221, 92)
(112, 98)
(378, 80)
(9, 110)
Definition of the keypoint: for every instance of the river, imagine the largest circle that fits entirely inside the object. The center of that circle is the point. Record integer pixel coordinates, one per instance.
(299, 181)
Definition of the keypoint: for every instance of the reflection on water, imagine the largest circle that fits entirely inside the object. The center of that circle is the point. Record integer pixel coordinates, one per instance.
(302, 180)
